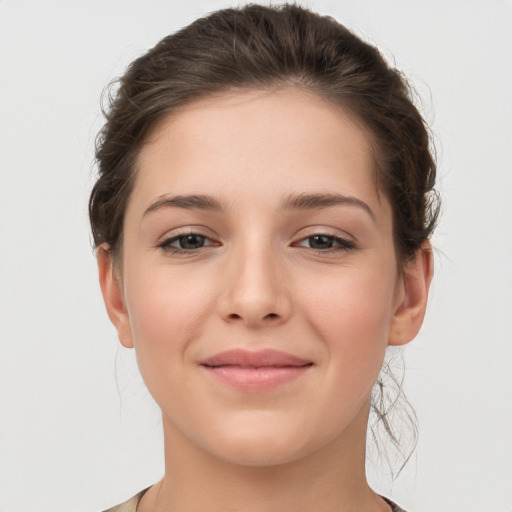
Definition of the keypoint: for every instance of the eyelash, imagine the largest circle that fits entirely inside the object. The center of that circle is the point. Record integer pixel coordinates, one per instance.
(342, 243)
(167, 247)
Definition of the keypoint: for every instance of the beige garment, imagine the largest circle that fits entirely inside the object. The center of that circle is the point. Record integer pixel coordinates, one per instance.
(130, 505)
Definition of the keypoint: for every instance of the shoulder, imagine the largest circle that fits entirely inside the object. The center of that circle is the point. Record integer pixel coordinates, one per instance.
(128, 506)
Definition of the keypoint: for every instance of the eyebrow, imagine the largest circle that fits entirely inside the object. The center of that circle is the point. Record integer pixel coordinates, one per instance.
(290, 202)
(319, 201)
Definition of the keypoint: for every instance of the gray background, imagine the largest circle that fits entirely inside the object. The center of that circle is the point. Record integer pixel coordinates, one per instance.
(71, 439)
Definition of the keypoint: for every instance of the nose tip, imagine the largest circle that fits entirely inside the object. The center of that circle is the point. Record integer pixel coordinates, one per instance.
(254, 294)
(258, 311)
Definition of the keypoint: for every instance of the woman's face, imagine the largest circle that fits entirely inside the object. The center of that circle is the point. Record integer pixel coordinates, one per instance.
(259, 281)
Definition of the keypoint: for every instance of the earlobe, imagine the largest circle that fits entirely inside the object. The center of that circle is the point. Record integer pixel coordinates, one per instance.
(409, 314)
(113, 296)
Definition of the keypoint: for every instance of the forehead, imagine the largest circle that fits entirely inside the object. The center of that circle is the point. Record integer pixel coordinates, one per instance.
(256, 146)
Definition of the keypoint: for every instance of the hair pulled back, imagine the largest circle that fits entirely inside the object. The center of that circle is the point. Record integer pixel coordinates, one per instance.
(258, 47)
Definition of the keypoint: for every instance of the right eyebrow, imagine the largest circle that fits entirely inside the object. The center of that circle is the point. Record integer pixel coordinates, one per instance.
(191, 202)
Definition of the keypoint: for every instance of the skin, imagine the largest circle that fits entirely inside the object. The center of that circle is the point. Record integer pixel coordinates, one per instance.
(259, 282)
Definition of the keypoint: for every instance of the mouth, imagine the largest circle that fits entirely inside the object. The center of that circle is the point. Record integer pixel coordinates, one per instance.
(255, 371)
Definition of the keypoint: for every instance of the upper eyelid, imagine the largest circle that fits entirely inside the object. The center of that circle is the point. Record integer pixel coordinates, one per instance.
(310, 231)
(328, 235)
(185, 234)
(185, 231)
(340, 239)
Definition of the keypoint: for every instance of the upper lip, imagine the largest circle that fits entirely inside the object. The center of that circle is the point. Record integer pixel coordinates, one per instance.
(254, 359)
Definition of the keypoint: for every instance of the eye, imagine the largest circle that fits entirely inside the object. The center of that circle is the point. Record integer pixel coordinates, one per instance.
(186, 242)
(326, 242)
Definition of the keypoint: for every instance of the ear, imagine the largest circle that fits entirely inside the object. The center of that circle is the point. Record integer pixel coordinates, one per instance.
(113, 296)
(413, 295)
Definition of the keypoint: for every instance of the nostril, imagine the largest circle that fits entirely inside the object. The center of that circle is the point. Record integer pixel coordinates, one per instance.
(236, 316)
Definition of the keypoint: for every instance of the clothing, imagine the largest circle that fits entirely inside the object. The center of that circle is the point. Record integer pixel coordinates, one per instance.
(131, 504)
(394, 506)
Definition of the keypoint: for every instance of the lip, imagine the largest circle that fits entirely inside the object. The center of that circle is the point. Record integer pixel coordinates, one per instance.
(255, 370)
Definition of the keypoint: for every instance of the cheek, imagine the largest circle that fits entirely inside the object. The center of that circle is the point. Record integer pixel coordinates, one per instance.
(163, 304)
(166, 314)
(352, 314)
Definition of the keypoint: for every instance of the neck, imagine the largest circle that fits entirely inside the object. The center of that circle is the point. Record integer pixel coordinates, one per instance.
(332, 479)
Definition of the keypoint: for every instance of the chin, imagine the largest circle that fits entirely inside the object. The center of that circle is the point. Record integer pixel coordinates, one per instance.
(260, 453)
(259, 445)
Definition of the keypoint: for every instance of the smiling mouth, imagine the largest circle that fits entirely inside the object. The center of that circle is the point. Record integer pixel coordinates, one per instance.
(255, 371)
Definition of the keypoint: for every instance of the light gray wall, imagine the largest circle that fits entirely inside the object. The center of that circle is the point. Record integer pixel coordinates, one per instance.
(65, 442)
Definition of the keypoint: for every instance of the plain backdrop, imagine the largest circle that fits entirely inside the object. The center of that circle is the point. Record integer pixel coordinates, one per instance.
(78, 431)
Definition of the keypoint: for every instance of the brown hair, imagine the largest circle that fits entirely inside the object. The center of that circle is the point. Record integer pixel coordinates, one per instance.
(258, 47)
(261, 47)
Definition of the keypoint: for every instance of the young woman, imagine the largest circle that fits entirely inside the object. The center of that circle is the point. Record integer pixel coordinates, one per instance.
(261, 217)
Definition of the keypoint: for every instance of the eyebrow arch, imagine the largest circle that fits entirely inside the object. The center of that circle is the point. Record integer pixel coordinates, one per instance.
(192, 202)
(291, 202)
(318, 201)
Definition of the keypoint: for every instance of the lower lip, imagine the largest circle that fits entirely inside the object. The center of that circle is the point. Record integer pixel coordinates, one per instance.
(256, 379)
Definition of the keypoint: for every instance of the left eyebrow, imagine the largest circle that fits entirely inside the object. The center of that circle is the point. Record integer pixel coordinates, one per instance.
(318, 201)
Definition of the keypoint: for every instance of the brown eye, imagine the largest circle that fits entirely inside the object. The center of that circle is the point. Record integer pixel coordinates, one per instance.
(186, 242)
(321, 242)
(326, 243)
(189, 242)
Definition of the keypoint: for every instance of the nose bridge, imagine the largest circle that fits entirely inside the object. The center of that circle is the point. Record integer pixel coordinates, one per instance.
(254, 288)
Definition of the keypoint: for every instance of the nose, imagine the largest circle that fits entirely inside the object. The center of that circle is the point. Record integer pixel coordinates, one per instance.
(254, 290)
